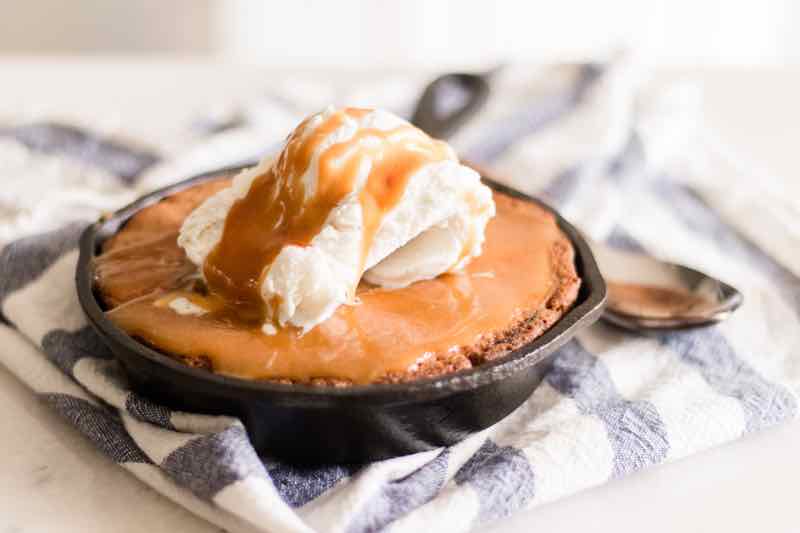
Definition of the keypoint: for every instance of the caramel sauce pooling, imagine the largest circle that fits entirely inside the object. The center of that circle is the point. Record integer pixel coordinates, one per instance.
(387, 331)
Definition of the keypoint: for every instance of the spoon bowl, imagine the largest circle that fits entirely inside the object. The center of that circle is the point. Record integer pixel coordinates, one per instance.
(645, 293)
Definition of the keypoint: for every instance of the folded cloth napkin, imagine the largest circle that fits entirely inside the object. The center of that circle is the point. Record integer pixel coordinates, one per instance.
(616, 158)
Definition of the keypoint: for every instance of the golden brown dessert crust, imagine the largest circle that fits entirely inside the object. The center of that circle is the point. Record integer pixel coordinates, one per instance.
(490, 346)
(525, 329)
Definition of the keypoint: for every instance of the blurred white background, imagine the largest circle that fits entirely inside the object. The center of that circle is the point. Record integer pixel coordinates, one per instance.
(194, 58)
(410, 33)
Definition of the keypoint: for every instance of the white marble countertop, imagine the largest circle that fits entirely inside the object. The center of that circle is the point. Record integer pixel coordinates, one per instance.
(51, 479)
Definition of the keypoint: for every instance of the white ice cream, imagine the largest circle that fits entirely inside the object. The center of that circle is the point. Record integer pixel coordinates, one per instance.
(437, 226)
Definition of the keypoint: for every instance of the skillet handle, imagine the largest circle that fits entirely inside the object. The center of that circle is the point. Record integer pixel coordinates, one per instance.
(448, 102)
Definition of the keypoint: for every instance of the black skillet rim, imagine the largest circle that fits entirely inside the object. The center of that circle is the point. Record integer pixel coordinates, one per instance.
(591, 300)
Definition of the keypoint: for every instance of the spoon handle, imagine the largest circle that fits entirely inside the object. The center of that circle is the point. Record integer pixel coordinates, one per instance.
(449, 102)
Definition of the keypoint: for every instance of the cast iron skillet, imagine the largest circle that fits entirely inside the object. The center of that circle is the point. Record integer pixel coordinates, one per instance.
(355, 424)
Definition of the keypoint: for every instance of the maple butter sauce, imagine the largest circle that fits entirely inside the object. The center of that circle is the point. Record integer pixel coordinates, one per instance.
(142, 270)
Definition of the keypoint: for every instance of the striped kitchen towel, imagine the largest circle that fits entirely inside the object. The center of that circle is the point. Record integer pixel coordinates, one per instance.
(621, 161)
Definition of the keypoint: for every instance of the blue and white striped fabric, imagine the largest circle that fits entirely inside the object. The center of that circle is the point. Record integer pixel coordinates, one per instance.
(613, 403)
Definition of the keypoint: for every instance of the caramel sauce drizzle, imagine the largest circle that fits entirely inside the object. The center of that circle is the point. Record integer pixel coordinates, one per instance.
(277, 210)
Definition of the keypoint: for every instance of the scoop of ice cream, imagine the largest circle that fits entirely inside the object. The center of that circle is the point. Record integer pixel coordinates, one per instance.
(354, 193)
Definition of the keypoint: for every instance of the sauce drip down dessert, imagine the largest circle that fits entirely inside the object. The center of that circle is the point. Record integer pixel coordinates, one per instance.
(276, 198)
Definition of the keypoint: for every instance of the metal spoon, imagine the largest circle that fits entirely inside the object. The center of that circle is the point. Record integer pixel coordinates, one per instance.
(644, 293)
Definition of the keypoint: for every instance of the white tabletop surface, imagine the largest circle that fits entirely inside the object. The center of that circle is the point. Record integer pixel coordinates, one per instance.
(51, 479)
